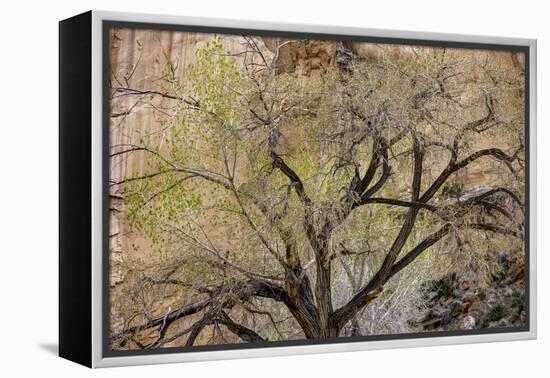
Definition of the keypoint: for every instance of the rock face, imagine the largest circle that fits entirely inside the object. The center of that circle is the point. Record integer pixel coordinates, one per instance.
(301, 56)
(458, 304)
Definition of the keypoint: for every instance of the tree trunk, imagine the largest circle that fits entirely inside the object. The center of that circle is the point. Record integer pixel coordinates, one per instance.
(324, 299)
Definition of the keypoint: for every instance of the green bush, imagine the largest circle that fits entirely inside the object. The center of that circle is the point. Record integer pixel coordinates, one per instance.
(498, 275)
(498, 312)
(517, 300)
(446, 285)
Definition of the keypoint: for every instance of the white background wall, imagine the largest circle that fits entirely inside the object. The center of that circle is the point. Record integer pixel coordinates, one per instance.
(28, 185)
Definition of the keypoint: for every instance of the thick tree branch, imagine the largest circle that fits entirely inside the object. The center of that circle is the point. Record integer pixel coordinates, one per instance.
(496, 228)
(401, 203)
(358, 301)
(416, 251)
(241, 291)
(246, 334)
(453, 167)
(297, 184)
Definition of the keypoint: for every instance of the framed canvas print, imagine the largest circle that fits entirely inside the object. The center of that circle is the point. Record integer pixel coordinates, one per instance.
(233, 189)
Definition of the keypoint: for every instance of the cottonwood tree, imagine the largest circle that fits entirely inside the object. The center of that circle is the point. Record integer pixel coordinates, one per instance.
(267, 192)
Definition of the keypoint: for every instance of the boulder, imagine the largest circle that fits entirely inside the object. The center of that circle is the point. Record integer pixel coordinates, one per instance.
(467, 322)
